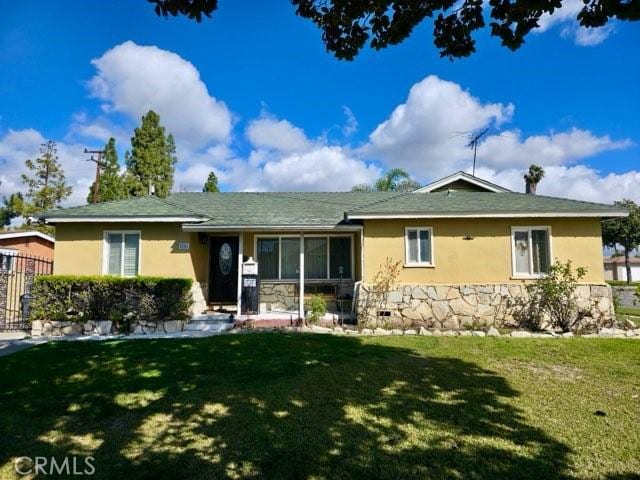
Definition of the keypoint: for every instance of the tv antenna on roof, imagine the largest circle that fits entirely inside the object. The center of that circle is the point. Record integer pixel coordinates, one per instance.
(474, 144)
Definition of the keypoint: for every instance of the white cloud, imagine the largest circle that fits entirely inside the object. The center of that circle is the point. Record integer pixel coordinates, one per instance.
(510, 149)
(587, 37)
(16, 146)
(326, 168)
(426, 135)
(283, 158)
(571, 29)
(132, 79)
(578, 182)
(271, 133)
(351, 125)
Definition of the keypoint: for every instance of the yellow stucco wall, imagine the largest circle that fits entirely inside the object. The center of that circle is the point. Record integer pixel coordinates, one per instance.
(79, 249)
(487, 257)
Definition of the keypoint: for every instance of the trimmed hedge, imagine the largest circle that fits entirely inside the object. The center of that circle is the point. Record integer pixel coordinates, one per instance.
(119, 299)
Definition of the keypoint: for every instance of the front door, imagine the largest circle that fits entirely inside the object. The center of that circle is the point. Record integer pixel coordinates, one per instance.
(223, 269)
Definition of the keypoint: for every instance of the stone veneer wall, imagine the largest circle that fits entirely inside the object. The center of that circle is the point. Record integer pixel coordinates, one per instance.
(278, 296)
(199, 297)
(466, 306)
(55, 328)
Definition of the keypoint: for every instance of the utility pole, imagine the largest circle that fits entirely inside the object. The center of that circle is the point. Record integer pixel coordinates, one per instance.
(474, 144)
(99, 164)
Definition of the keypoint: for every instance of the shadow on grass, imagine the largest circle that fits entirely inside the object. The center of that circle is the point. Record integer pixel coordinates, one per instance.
(267, 405)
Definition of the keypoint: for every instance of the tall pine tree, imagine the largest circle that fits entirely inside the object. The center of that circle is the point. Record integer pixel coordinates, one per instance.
(111, 184)
(47, 187)
(212, 184)
(151, 160)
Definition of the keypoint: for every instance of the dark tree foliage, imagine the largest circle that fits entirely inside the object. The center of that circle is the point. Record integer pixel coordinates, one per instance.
(211, 184)
(347, 25)
(11, 208)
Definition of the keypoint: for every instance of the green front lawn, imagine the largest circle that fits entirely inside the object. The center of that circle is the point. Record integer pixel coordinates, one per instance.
(312, 406)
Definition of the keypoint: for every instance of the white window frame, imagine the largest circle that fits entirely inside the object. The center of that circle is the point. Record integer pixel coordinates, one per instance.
(305, 236)
(407, 260)
(105, 251)
(528, 229)
(9, 253)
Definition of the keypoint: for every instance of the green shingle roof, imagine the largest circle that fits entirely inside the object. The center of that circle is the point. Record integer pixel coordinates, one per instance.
(319, 209)
(467, 202)
(233, 208)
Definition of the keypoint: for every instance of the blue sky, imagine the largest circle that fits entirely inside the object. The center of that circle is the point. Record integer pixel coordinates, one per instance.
(280, 113)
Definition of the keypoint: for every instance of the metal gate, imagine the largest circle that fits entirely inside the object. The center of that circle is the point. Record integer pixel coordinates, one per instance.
(17, 273)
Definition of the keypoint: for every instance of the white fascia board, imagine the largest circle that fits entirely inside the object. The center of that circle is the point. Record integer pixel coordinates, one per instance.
(44, 236)
(295, 228)
(123, 219)
(462, 176)
(374, 216)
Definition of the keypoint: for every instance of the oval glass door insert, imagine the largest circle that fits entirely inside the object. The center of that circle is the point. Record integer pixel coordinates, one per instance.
(224, 259)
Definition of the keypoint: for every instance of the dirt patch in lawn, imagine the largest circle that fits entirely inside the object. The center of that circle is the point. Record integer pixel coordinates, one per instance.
(561, 372)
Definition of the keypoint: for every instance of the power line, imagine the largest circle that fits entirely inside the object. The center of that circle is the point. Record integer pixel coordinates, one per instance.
(99, 164)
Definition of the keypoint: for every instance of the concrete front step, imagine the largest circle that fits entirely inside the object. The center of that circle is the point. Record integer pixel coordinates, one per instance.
(207, 326)
(212, 317)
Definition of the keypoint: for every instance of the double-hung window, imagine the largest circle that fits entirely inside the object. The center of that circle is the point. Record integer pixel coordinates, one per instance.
(531, 247)
(326, 257)
(121, 255)
(419, 246)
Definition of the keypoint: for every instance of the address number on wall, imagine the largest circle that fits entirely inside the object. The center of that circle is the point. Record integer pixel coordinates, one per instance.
(183, 246)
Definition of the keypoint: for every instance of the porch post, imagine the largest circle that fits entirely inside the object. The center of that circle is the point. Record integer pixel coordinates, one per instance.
(301, 299)
(240, 248)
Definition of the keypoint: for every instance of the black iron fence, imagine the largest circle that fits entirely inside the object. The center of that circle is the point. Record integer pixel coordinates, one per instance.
(17, 273)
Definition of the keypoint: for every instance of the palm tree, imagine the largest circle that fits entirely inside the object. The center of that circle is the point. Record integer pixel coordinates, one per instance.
(395, 180)
(533, 177)
(389, 181)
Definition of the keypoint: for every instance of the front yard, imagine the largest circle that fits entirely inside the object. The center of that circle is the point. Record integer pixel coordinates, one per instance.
(313, 406)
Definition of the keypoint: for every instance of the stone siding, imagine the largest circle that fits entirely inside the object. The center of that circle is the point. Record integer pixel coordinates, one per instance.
(465, 306)
(278, 296)
(53, 328)
(199, 298)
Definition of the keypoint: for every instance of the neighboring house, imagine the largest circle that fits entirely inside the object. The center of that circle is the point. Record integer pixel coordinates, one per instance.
(33, 243)
(464, 245)
(615, 268)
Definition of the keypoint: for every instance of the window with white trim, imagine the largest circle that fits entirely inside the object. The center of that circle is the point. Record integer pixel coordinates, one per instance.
(419, 246)
(531, 247)
(121, 253)
(7, 260)
(326, 257)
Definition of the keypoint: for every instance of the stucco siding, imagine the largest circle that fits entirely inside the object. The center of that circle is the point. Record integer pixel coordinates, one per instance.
(485, 255)
(79, 250)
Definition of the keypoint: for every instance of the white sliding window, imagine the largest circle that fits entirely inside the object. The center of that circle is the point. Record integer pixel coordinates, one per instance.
(121, 253)
(419, 246)
(326, 257)
(531, 251)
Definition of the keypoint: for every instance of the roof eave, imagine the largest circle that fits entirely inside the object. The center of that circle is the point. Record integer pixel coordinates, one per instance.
(121, 219)
(489, 186)
(262, 227)
(557, 214)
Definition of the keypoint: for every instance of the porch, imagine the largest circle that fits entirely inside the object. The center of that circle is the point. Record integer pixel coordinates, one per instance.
(293, 266)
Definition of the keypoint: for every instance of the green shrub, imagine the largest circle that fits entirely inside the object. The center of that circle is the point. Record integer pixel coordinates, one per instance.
(553, 297)
(119, 299)
(622, 283)
(317, 309)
